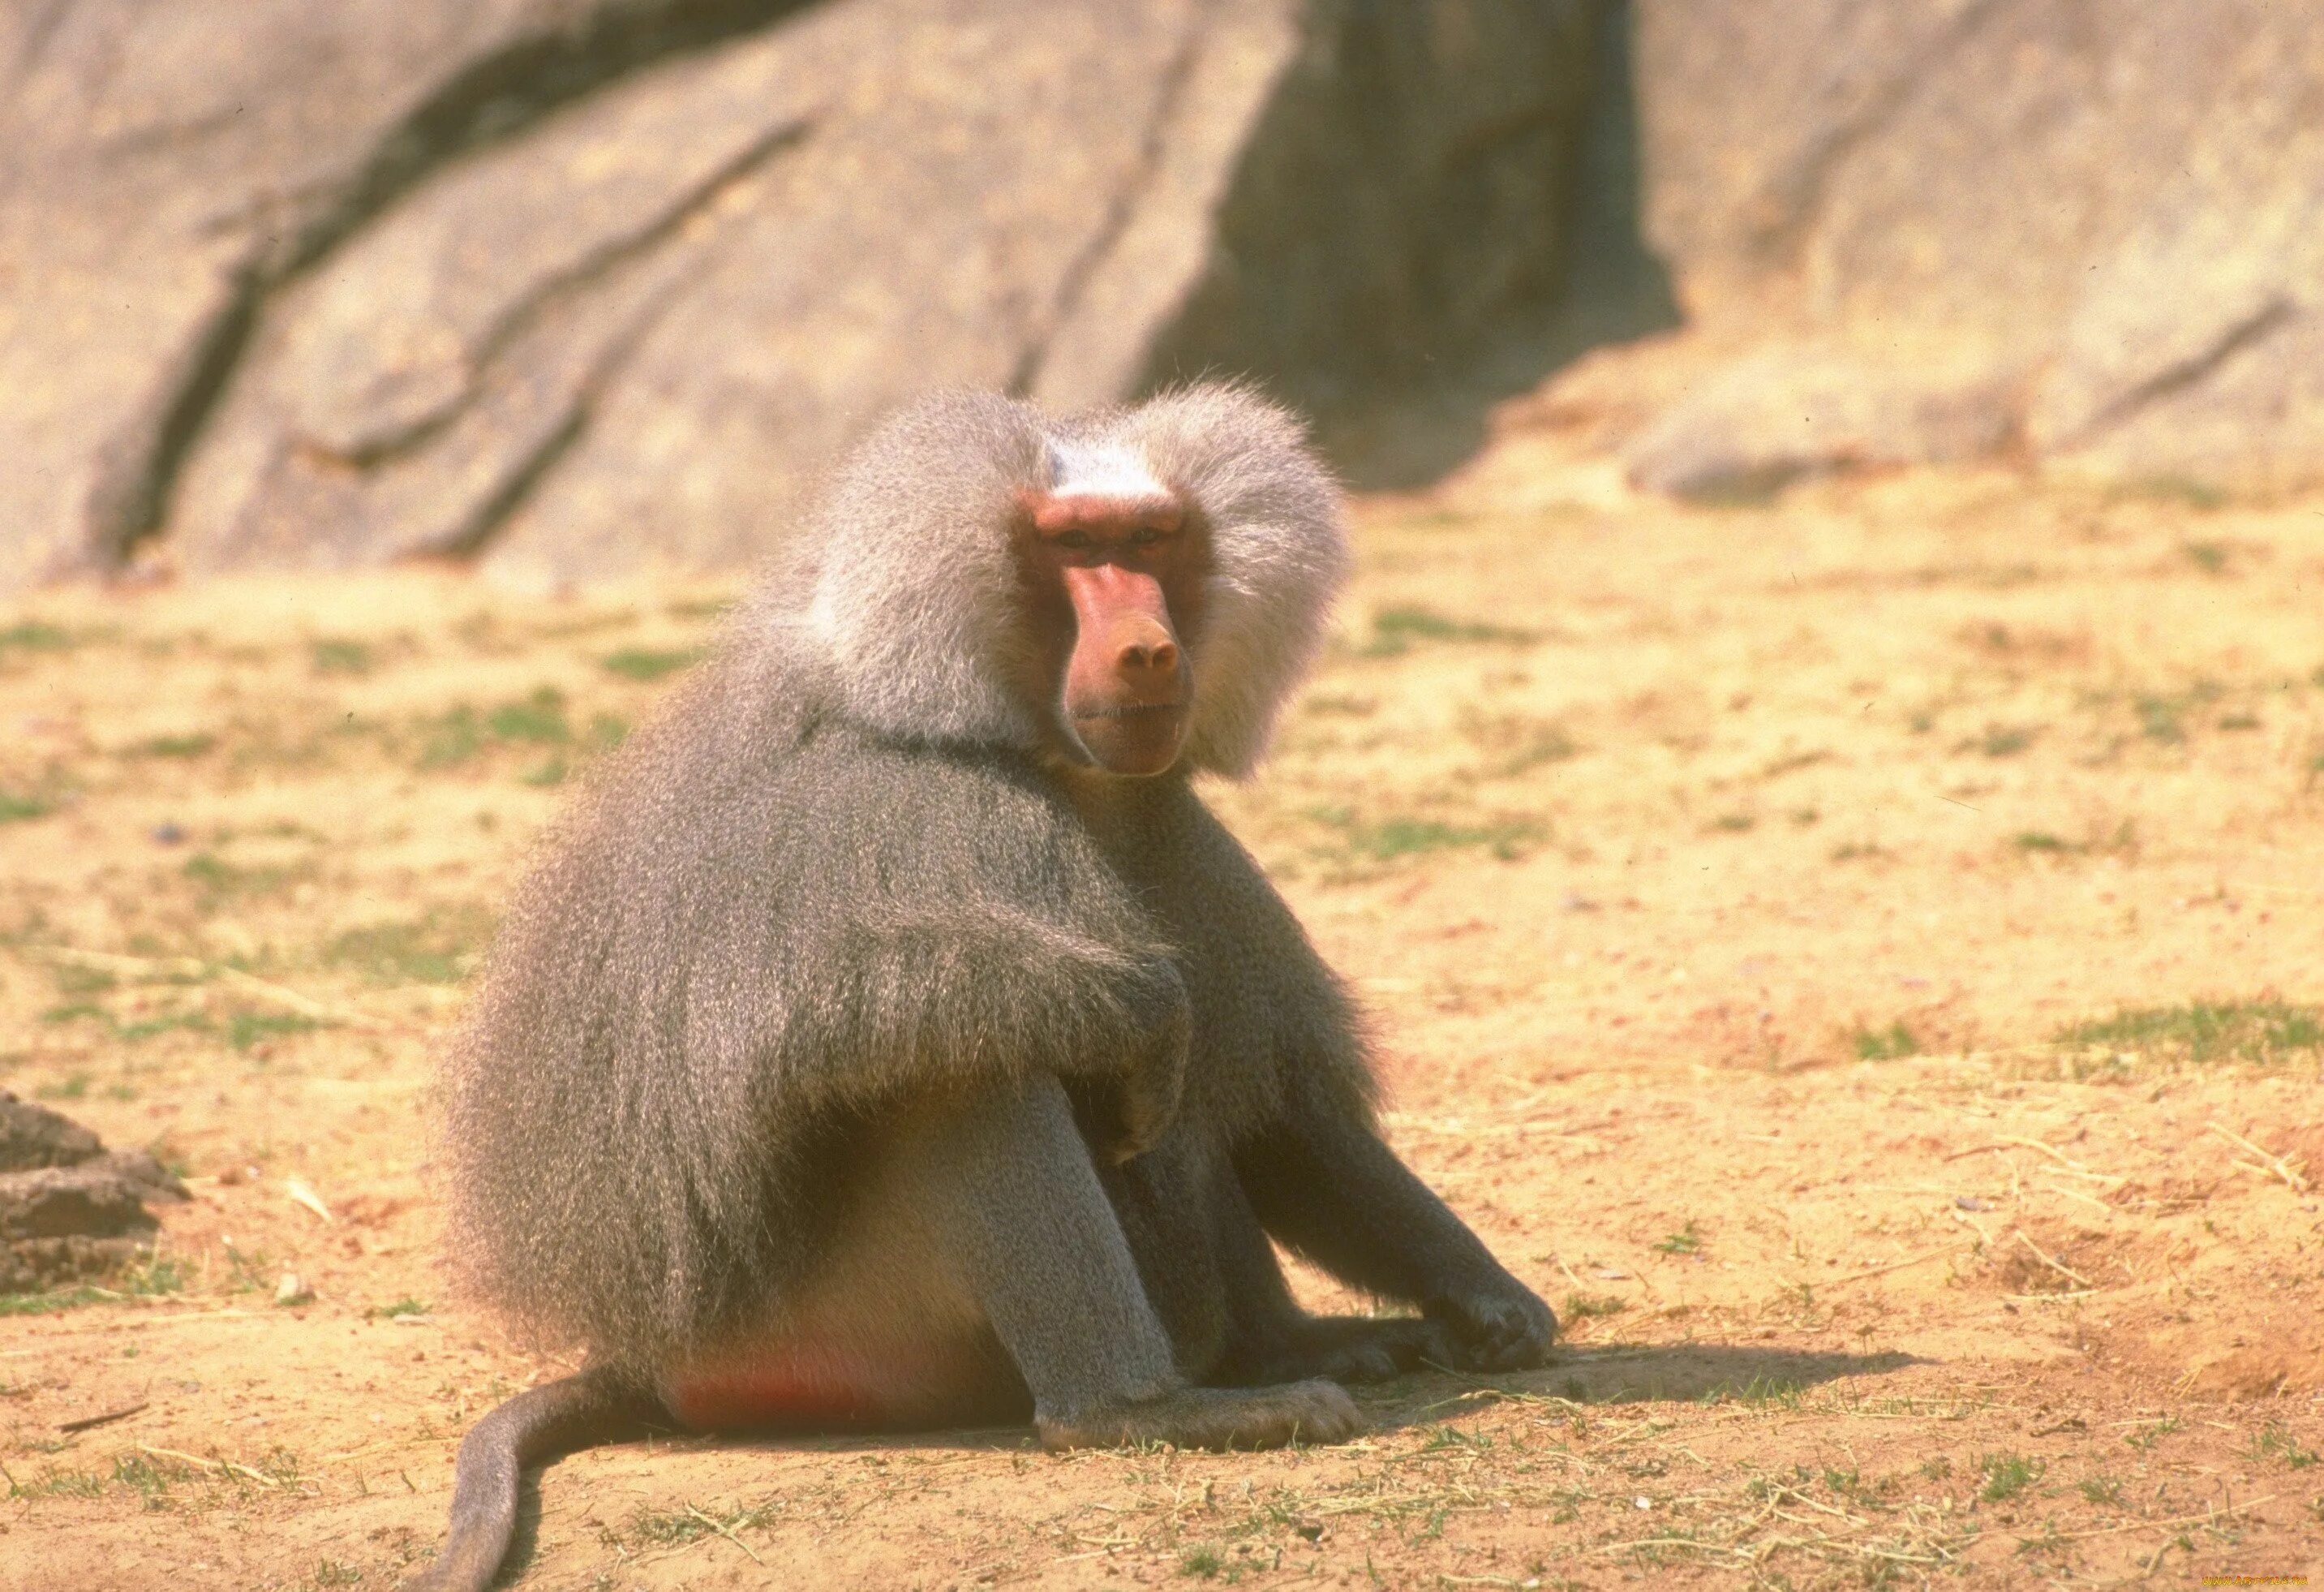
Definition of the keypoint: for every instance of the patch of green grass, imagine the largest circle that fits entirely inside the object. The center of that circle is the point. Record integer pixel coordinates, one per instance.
(246, 1029)
(186, 746)
(73, 979)
(2031, 840)
(2100, 1490)
(219, 878)
(282, 1467)
(675, 1527)
(649, 663)
(1405, 837)
(1201, 1564)
(248, 1270)
(406, 1306)
(2265, 1033)
(30, 635)
(2153, 1432)
(698, 607)
(2209, 557)
(334, 656)
(1581, 1307)
(48, 1304)
(2007, 1475)
(154, 1277)
(61, 1483)
(1395, 630)
(1857, 851)
(1735, 823)
(438, 948)
(550, 772)
(1892, 1043)
(457, 735)
(538, 718)
(451, 738)
(1761, 1393)
(1850, 1484)
(1687, 1240)
(2274, 1442)
(1519, 745)
(144, 1028)
(74, 1087)
(2004, 740)
(1391, 838)
(1452, 1437)
(151, 1476)
(2160, 719)
(132, 1031)
(15, 809)
(2178, 491)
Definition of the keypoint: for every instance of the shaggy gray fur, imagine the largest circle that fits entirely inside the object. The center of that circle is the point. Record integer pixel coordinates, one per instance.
(837, 873)
(924, 650)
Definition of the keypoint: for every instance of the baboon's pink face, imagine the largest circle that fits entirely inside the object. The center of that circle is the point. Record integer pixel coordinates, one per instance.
(1113, 568)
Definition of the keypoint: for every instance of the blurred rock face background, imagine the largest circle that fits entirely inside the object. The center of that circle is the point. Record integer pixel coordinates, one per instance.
(568, 287)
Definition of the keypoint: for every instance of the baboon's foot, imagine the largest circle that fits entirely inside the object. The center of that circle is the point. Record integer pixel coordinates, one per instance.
(1347, 1348)
(1503, 1327)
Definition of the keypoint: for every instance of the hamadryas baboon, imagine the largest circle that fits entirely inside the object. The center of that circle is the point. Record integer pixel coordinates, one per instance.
(891, 1037)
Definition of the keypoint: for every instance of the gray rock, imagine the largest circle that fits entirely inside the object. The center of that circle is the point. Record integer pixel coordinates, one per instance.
(2114, 213)
(31, 1135)
(1786, 412)
(579, 286)
(69, 1209)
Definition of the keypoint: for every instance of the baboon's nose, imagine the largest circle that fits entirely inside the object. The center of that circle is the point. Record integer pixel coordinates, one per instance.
(1158, 655)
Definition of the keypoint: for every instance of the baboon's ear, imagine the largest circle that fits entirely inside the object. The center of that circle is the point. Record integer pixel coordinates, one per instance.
(1278, 550)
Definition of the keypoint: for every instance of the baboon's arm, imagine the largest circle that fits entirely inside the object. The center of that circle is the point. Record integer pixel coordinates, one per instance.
(1022, 1208)
(1323, 1182)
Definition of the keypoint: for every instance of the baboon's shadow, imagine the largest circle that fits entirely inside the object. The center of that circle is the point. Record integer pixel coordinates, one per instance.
(1634, 1373)
(1615, 1374)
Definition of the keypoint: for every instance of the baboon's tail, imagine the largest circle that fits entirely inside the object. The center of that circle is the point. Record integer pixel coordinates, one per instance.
(541, 1423)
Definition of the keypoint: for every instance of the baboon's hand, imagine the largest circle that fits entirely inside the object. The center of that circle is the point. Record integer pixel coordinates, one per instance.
(1148, 1093)
(1214, 1418)
(1148, 1105)
(1499, 1327)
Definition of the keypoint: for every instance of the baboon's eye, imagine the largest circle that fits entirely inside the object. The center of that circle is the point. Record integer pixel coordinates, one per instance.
(1077, 539)
(1145, 536)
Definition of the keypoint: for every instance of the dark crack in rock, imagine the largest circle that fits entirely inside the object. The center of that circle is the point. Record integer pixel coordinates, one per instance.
(577, 287)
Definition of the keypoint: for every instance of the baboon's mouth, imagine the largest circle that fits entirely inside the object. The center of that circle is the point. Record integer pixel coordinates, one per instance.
(1127, 710)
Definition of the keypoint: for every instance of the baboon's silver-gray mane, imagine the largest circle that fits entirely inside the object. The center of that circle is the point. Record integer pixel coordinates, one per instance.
(909, 586)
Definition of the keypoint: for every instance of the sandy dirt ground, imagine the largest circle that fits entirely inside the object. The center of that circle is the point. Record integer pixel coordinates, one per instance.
(1854, 954)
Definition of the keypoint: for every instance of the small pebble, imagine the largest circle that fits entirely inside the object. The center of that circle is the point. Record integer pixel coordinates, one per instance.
(168, 835)
(293, 1290)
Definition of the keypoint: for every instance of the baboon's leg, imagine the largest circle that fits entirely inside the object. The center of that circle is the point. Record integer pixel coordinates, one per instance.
(1022, 1206)
(1328, 1187)
(1271, 1338)
(1162, 1200)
